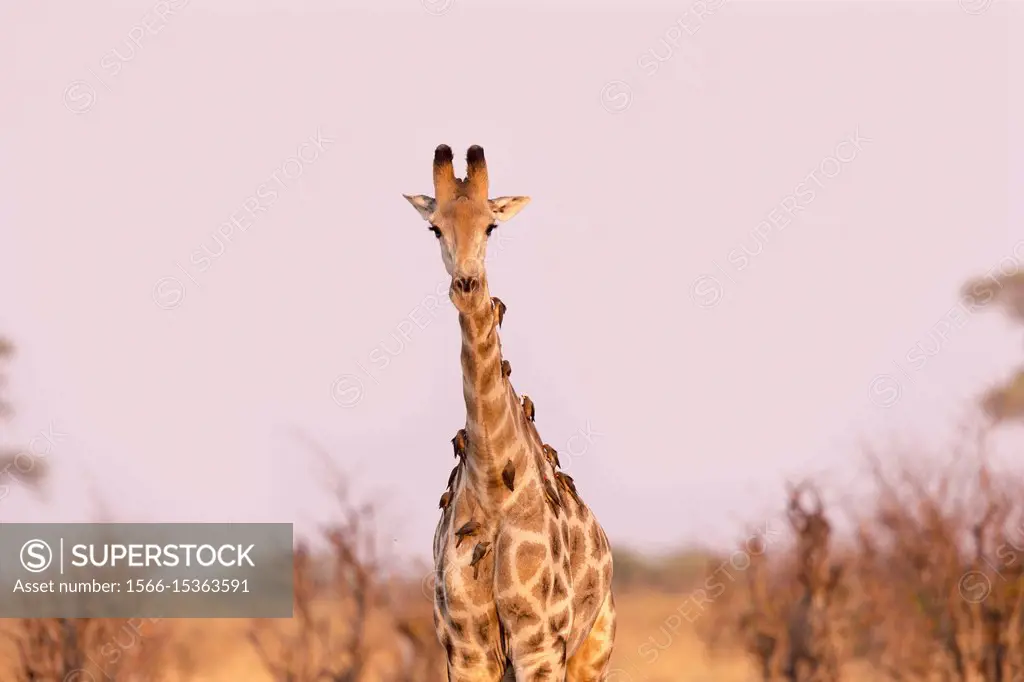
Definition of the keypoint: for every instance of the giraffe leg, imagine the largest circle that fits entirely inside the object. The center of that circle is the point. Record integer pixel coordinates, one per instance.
(543, 663)
(591, 661)
(473, 668)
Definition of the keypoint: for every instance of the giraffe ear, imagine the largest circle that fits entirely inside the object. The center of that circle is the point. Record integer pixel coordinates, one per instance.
(504, 208)
(423, 204)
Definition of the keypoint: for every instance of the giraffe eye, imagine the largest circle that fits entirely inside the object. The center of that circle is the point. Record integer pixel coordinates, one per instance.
(436, 230)
(490, 228)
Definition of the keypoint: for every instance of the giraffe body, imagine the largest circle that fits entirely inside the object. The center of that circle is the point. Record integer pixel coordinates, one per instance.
(523, 568)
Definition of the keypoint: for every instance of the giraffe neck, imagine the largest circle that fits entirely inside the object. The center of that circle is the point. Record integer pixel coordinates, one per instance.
(492, 410)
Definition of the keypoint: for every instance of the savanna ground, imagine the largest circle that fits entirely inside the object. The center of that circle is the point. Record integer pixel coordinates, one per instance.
(220, 650)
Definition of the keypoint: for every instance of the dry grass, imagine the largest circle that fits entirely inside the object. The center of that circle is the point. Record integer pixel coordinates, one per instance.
(219, 649)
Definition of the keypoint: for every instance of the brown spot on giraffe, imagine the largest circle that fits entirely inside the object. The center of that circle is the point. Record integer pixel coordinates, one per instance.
(596, 543)
(558, 589)
(525, 515)
(506, 573)
(457, 626)
(520, 612)
(587, 596)
(529, 579)
(577, 549)
(469, 657)
(556, 541)
(542, 588)
(483, 630)
(559, 622)
(529, 557)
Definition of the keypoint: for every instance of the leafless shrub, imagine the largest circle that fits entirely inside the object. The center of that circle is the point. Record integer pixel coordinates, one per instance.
(929, 588)
(349, 615)
(784, 616)
(55, 649)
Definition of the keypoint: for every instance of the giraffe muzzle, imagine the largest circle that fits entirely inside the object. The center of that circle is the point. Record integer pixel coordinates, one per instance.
(466, 285)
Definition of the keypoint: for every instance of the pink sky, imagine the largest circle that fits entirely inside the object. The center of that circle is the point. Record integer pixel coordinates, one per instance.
(130, 133)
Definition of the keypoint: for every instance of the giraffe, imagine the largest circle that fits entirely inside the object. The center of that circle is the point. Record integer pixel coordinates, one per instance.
(523, 568)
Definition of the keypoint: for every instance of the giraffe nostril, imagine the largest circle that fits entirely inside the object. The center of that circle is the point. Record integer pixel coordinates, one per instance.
(466, 284)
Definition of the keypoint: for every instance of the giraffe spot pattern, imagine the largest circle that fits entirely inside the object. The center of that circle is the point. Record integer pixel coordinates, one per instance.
(468, 360)
(487, 346)
(577, 548)
(518, 612)
(596, 542)
(493, 407)
(504, 577)
(553, 557)
(558, 589)
(504, 435)
(469, 657)
(542, 590)
(463, 589)
(559, 622)
(529, 557)
(591, 659)
(556, 541)
(483, 630)
(478, 622)
(528, 513)
(590, 586)
(446, 642)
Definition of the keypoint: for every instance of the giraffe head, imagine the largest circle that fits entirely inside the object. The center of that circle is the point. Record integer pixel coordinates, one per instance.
(461, 218)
